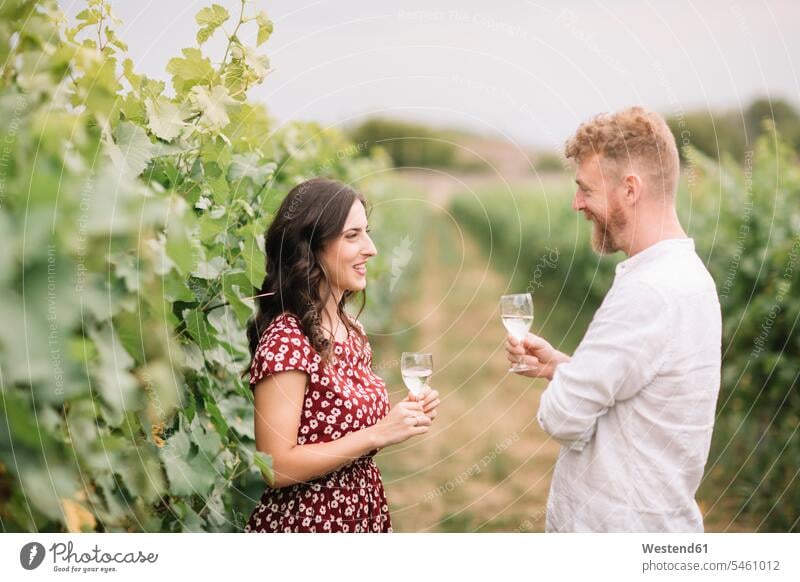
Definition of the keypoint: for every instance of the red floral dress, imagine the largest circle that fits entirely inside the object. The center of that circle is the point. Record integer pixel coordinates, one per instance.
(341, 397)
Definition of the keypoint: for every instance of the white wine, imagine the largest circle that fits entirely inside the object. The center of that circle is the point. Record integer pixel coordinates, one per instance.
(416, 378)
(518, 325)
(517, 313)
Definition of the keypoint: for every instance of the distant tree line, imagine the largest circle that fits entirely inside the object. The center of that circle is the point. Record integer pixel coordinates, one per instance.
(734, 132)
(715, 133)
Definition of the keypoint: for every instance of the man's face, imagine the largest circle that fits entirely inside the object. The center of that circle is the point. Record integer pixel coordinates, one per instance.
(599, 198)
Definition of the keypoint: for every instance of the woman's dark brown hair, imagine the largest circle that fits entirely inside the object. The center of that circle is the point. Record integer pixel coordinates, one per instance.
(312, 215)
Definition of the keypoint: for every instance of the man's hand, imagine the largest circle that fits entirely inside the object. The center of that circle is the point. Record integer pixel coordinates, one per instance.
(535, 352)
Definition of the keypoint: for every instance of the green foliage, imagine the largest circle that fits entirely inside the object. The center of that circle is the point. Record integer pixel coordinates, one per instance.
(544, 248)
(549, 161)
(134, 219)
(745, 219)
(407, 144)
(732, 133)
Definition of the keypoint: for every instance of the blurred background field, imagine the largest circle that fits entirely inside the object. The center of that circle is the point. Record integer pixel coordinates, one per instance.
(512, 236)
(134, 203)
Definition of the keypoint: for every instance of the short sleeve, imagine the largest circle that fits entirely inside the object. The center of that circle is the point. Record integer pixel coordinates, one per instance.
(283, 347)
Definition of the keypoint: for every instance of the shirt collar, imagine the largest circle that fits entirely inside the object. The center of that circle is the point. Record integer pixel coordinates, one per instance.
(655, 251)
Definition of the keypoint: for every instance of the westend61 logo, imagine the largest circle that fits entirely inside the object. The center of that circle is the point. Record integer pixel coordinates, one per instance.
(65, 559)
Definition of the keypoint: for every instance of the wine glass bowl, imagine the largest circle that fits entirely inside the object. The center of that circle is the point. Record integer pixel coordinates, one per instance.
(517, 314)
(416, 369)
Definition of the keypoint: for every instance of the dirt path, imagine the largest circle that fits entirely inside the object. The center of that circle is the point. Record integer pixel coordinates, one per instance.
(486, 465)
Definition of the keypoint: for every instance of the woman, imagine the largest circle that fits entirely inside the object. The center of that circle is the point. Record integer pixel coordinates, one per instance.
(321, 413)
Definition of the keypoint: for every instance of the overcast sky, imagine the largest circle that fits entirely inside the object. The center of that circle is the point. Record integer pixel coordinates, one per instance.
(530, 71)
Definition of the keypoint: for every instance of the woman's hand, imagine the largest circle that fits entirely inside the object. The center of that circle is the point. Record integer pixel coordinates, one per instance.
(405, 420)
(535, 352)
(429, 399)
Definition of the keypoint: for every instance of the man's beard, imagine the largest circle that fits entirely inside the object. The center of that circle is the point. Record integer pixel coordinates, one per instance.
(606, 233)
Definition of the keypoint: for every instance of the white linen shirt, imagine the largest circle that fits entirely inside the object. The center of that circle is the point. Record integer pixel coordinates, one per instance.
(635, 406)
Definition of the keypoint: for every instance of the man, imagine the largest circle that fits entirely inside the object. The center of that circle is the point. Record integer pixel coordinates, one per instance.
(634, 406)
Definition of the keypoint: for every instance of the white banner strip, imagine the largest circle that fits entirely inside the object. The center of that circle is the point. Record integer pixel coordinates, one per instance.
(492, 557)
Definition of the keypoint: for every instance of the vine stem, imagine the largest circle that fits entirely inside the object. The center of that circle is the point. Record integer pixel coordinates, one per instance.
(232, 36)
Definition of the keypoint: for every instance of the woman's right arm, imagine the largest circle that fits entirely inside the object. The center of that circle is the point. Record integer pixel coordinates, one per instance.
(279, 402)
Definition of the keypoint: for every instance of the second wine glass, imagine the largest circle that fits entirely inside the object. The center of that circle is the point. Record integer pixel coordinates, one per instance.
(416, 369)
(517, 313)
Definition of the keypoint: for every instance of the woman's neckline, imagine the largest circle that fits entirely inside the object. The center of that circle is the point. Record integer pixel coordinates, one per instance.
(346, 340)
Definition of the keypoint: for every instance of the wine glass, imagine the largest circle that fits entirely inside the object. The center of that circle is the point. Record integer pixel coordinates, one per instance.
(517, 313)
(416, 369)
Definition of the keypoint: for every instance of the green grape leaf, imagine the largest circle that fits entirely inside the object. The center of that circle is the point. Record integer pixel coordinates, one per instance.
(210, 19)
(212, 106)
(210, 269)
(233, 284)
(216, 151)
(255, 260)
(212, 409)
(257, 65)
(198, 328)
(250, 165)
(189, 520)
(132, 150)
(235, 78)
(129, 331)
(190, 70)
(192, 357)
(164, 118)
(163, 387)
(189, 470)
(180, 244)
(142, 475)
(264, 28)
(220, 190)
(211, 228)
(205, 436)
(131, 76)
(115, 384)
(239, 414)
(264, 463)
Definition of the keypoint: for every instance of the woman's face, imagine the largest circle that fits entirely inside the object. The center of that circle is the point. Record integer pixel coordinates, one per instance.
(345, 258)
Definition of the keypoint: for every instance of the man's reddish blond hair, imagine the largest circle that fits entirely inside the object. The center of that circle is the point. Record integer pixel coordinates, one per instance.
(635, 139)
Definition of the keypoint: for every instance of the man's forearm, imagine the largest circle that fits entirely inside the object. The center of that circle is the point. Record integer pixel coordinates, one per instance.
(558, 416)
